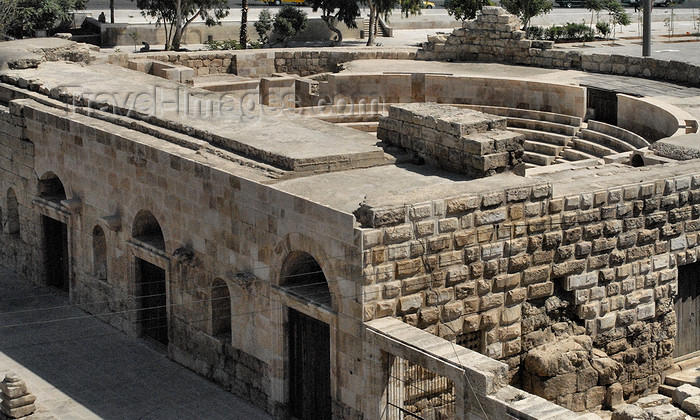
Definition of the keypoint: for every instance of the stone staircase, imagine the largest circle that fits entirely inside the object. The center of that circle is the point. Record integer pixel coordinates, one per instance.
(550, 138)
(380, 29)
(685, 372)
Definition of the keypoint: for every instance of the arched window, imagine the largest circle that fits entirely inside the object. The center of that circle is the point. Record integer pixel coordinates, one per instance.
(302, 275)
(99, 253)
(51, 187)
(12, 213)
(147, 229)
(220, 310)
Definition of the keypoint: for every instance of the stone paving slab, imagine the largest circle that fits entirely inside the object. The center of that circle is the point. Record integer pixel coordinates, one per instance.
(81, 368)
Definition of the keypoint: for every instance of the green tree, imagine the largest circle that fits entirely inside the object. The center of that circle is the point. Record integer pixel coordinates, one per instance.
(525, 10)
(618, 15)
(595, 6)
(333, 11)
(7, 15)
(263, 26)
(289, 21)
(31, 15)
(466, 9)
(176, 15)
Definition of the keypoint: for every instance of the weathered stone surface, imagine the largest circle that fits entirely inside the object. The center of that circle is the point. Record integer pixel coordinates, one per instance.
(684, 391)
(691, 405)
(608, 370)
(630, 412)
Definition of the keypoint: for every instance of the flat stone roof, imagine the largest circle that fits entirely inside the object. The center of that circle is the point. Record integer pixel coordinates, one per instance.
(287, 140)
(330, 164)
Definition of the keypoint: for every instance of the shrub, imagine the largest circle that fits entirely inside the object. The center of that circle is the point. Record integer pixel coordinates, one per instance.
(603, 29)
(289, 21)
(263, 26)
(554, 33)
(535, 32)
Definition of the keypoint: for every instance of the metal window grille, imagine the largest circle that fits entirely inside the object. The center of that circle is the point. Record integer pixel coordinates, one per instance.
(417, 393)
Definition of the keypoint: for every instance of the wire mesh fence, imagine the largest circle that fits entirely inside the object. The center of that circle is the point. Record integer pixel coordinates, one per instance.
(415, 392)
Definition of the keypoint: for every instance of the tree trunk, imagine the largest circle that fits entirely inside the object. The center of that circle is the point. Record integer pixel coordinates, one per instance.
(330, 22)
(178, 25)
(244, 24)
(111, 11)
(370, 36)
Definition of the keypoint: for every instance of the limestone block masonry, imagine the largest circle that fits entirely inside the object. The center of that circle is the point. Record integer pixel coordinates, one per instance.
(521, 268)
(495, 36)
(460, 140)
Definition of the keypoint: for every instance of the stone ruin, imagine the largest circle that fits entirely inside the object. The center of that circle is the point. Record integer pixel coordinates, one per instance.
(17, 401)
(460, 140)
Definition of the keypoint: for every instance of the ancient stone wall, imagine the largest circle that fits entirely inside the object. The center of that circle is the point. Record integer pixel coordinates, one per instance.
(459, 140)
(110, 174)
(20, 248)
(476, 90)
(259, 63)
(495, 37)
(524, 268)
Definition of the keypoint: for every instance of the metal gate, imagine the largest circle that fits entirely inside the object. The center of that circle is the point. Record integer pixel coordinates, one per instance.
(687, 306)
(415, 392)
(309, 365)
(56, 253)
(604, 102)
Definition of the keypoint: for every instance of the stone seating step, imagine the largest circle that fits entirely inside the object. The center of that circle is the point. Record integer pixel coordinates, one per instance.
(526, 113)
(370, 127)
(625, 135)
(574, 155)
(547, 126)
(592, 148)
(689, 374)
(537, 158)
(350, 118)
(542, 148)
(666, 390)
(543, 136)
(606, 140)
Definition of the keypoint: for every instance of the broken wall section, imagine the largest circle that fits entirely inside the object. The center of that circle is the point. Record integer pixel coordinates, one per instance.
(459, 140)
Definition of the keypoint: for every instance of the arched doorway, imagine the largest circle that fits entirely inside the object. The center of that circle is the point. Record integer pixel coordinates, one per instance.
(308, 339)
(151, 291)
(220, 310)
(55, 238)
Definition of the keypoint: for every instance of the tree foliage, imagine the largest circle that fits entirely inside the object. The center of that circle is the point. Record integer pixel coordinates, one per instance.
(31, 15)
(7, 16)
(466, 9)
(618, 15)
(525, 10)
(176, 15)
(333, 11)
(289, 21)
(263, 26)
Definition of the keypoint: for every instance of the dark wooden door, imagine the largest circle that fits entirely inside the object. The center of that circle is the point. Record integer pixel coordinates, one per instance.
(604, 102)
(56, 253)
(153, 314)
(309, 360)
(687, 308)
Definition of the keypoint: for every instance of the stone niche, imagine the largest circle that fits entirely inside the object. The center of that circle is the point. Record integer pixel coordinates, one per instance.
(455, 139)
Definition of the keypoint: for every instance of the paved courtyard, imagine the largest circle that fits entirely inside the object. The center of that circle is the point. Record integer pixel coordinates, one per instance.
(81, 368)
